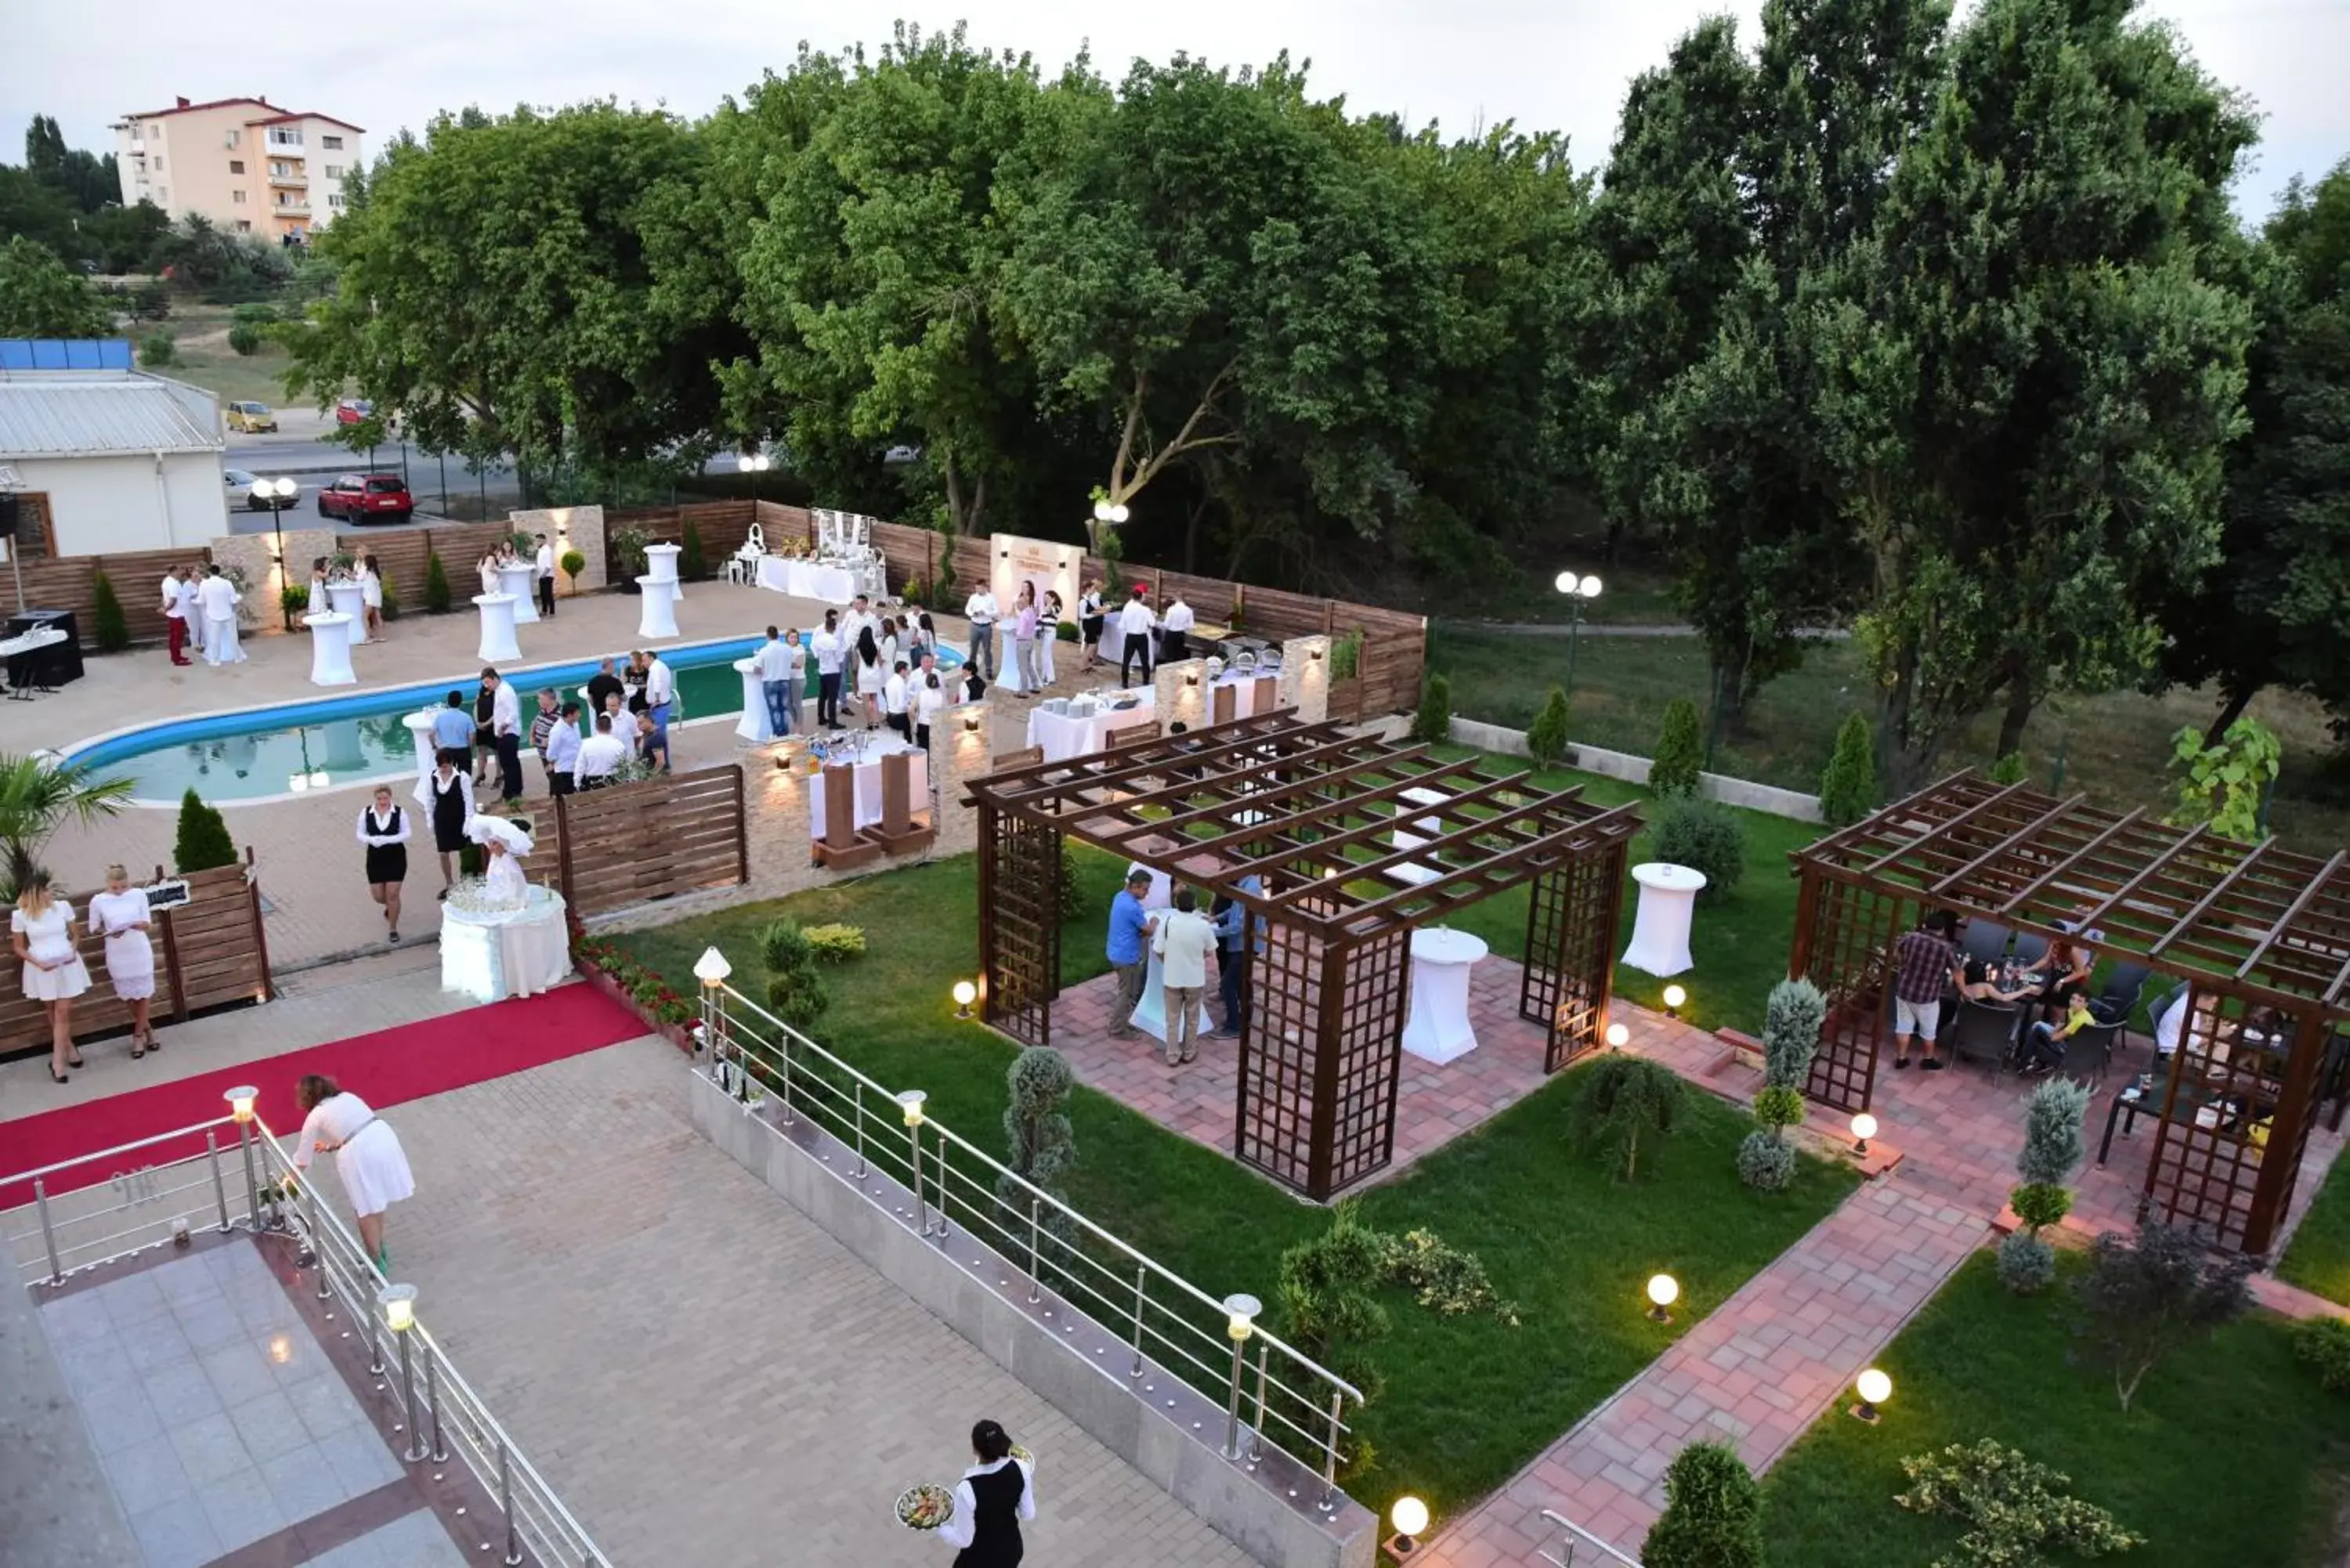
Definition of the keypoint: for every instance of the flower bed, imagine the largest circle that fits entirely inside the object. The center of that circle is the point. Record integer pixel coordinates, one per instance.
(674, 1017)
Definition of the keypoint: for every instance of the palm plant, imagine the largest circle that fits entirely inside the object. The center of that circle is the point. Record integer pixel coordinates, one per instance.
(36, 795)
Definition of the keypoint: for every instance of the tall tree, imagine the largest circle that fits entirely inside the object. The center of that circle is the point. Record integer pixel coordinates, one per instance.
(40, 296)
(85, 179)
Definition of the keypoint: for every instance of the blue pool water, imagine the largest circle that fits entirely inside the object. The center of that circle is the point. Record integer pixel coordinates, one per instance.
(332, 741)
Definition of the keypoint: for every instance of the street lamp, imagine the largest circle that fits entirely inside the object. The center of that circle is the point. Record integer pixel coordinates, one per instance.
(1106, 514)
(1579, 591)
(753, 463)
(277, 494)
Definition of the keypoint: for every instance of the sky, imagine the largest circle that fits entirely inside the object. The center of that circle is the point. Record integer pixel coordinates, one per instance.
(1558, 65)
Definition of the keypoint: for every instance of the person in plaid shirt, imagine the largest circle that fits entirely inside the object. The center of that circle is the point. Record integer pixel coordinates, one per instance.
(1922, 962)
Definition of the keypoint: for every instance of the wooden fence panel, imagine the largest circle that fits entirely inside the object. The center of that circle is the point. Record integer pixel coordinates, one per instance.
(70, 583)
(208, 953)
(399, 561)
(639, 842)
(723, 525)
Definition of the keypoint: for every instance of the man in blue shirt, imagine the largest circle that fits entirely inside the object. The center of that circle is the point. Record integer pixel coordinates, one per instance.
(1131, 927)
(1232, 922)
(453, 730)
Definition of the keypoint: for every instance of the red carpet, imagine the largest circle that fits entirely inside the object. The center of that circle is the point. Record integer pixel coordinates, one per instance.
(384, 1069)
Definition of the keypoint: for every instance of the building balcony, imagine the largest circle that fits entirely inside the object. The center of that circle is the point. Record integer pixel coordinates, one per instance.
(292, 209)
(281, 149)
(294, 179)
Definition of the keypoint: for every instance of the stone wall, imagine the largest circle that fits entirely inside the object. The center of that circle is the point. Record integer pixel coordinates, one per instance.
(579, 528)
(251, 553)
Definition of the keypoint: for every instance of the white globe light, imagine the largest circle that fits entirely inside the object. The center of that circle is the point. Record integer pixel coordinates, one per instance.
(1101, 511)
(1618, 1036)
(1119, 514)
(1675, 996)
(1590, 587)
(1664, 1290)
(965, 993)
(1410, 1516)
(1864, 1127)
(263, 490)
(1874, 1386)
(1565, 583)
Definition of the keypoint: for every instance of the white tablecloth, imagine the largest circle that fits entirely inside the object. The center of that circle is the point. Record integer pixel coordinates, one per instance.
(806, 579)
(869, 788)
(492, 954)
(1063, 736)
(1661, 932)
(1438, 1029)
(331, 649)
(350, 600)
(1423, 829)
(521, 580)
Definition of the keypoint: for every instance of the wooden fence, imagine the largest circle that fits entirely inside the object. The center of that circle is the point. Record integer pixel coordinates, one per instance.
(635, 843)
(70, 583)
(209, 952)
(400, 559)
(722, 527)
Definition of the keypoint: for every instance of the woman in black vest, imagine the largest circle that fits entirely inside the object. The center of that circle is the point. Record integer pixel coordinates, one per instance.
(451, 794)
(383, 828)
(993, 1496)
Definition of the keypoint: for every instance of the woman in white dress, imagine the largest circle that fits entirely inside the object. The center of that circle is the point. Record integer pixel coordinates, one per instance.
(120, 914)
(487, 569)
(41, 929)
(368, 1156)
(1048, 632)
(319, 603)
(371, 596)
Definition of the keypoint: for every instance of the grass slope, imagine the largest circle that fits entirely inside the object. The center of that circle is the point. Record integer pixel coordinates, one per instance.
(2319, 1258)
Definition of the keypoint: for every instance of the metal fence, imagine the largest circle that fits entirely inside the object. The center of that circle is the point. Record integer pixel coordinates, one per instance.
(1576, 1537)
(244, 1178)
(1273, 1394)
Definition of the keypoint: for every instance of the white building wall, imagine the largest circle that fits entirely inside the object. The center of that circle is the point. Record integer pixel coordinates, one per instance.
(101, 504)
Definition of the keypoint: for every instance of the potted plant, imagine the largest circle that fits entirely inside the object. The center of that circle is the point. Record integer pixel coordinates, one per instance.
(628, 543)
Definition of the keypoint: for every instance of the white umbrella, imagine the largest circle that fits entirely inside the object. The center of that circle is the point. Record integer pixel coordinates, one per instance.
(482, 829)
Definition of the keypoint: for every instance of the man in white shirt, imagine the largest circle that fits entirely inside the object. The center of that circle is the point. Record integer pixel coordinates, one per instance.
(828, 649)
(599, 754)
(859, 617)
(1174, 630)
(660, 691)
(562, 753)
(981, 611)
(505, 735)
(218, 598)
(1185, 939)
(175, 619)
(545, 577)
(775, 661)
(1135, 622)
(895, 692)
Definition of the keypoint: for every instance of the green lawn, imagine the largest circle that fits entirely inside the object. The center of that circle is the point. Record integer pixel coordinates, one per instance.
(204, 359)
(2319, 1258)
(2231, 1453)
(1468, 1401)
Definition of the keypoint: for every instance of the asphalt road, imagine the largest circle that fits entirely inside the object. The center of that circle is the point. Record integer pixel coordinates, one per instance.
(312, 461)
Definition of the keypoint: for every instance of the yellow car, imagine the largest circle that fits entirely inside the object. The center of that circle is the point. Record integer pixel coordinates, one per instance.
(252, 418)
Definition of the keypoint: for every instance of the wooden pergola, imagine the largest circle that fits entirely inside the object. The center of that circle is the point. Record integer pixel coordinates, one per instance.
(2261, 934)
(1352, 842)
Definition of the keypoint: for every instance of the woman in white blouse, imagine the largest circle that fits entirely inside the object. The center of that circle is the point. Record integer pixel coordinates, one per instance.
(41, 928)
(120, 914)
(992, 1500)
(368, 1156)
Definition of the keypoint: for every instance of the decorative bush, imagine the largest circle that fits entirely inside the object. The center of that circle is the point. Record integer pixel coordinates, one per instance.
(391, 599)
(1076, 899)
(1764, 1162)
(293, 603)
(2011, 769)
(912, 592)
(2040, 1204)
(573, 563)
(1546, 736)
(1433, 722)
(2014, 1508)
(1680, 751)
(836, 943)
(691, 564)
(202, 841)
(2054, 1143)
(1440, 1277)
(1848, 787)
(1777, 1107)
(245, 338)
(2323, 1345)
(1625, 1098)
(1328, 1309)
(1066, 631)
(2146, 1296)
(1346, 656)
(158, 348)
(1792, 1016)
(1714, 1512)
(436, 585)
(1042, 1148)
(108, 627)
(2025, 1263)
(796, 990)
(1704, 835)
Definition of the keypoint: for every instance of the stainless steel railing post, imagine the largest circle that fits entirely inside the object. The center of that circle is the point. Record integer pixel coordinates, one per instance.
(506, 1506)
(1232, 1401)
(317, 1241)
(1035, 1250)
(375, 1348)
(433, 1400)
(1256, 1432)
(860, 1118)
(1330, 1452)
(1140, 1274)
(219, 1188)
(783, 1076)
(939, 1176)
(416, 1449)
(49, 1231)
(252, 1182)
(914, 1142)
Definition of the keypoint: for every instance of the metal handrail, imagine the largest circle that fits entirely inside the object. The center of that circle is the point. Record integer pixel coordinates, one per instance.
(1572, 1531)
(755, 1055)
(62, 1254)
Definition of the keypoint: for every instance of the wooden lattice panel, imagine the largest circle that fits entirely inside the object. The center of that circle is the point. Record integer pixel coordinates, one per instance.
(1369, 998)
(1019, 924)
(1570, 970)
(2215, 1137)
(1850, 958)
(1273, 1129)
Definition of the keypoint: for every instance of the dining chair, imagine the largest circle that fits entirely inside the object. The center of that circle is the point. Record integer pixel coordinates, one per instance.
(1984, 939)
(1984, 1031)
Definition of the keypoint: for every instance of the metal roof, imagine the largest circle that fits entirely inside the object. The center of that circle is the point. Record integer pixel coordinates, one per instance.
(69, 415)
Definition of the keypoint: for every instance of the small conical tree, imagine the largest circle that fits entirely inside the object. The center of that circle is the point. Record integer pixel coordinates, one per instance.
(1848, 787)
(796, 988)
(1546, 736)
(1042, 1148)
(202, 841)
(1714, 1512)
(2054, 1143)
(691, 564)
(436, 585)
(1626, 1098)
(1681, 750)
(1434, 721)
(108, 627)
(1791, 1019)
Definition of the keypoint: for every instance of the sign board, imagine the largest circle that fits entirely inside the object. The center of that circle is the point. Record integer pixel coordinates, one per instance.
(169, 894)
(1053, 567)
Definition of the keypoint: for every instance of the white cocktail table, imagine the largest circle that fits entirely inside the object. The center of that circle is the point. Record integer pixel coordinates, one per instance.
(1660, 930)
(498, 642)
(1438, 1029)
(520, 580)
(657, 621)
(419, 726)
(331, 649)
(350, 600)
(660, 563)
(755, 725)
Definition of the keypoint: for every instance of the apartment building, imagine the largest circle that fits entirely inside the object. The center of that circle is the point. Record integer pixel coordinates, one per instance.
(248, 165)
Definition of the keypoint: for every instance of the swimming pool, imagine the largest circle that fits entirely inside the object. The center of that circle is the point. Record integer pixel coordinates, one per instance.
(294, 748)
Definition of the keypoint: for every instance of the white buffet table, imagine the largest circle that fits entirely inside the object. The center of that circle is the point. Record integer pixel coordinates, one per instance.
(1065, 735)
(1438, 1029)
(1661, 932)
(868, 786)
(492, 954)
(520, 579)
(806, 579)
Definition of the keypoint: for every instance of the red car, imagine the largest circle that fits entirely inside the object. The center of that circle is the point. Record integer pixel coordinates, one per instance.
(352, 410)
(367, 498)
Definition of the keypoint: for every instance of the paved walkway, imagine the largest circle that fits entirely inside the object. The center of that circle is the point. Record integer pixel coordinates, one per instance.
(705, 1376)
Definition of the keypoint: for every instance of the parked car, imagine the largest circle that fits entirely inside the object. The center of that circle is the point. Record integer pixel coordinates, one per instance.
(367, 498)
(252, 418)
(239, 486)
(352, 410)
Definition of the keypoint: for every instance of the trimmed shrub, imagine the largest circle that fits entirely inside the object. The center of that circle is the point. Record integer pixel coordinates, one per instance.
(1076, 899)
(1433, 722)
(2025, 1263)
(436, 585)
(1546, 736)
(1704, 835)
(836, 943)
(1066, 631)
(1680, 751)
(1440, 1277)
(2323, 1345)
(2010, 769)
(1326, 1289)
(1714, 1512)
(1792, 1016)
(691, 564)
(391, 599)
(202, 841)
(796, 990)
(108, 627)
(245, 338)
(1346, 656)
(1848, 787)
(1764, 1163)
(158, 348)
(1776, 1106)
(1625, 1099)
(573, 563)
(294, 603)
(2014, 1508)
(1043, 1149)
(2054, 1142)
(2040, 1204)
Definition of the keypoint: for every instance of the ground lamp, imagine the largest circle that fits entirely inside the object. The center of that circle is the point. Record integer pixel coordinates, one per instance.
(398, 1305)
(909, 1101)
(1874, 1388)
(1864, 1127)
(712, 970)
(1410, 1517)
(1663, 1291)
(1617, 1036)
(1240, 1315)
(1675, 998)
(240, 1106)
(965, 993)
(1579, 591)
(753, 463)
